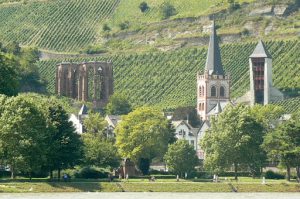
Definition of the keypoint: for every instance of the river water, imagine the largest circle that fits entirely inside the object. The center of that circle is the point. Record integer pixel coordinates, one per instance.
(152, 196)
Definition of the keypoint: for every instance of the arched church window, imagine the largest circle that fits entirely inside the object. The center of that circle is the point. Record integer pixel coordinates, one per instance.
(222, 91)
(213, 91)
(203, 92)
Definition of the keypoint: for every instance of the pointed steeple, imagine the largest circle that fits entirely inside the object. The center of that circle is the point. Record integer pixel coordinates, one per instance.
(260, 51)
(213, 62)
(83, 110)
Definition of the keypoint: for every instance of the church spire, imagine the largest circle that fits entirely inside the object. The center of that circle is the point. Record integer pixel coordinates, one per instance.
(213, 61)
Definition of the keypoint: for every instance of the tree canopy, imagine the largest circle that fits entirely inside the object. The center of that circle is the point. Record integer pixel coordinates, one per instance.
(283, 144)
(118, 105)
(142, 135)
(181, 157)
(234, 139)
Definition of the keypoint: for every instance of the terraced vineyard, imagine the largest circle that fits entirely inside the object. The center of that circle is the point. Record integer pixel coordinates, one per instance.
(59, 25)
(290, 105)
(168, 80)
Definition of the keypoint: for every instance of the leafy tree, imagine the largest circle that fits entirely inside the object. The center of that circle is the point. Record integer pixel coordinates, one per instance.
(234, 139)
(9, 77)
(284, 144)
(64, 149)
(181, 157)
(100, 152)
(63, 146)
(187, 113)
(168, 10)
(143, 6)
(118, 105)
(22, 136)
(96, 124)
(142, 135)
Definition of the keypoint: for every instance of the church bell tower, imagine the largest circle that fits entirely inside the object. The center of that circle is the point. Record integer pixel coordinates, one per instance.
(213, 86)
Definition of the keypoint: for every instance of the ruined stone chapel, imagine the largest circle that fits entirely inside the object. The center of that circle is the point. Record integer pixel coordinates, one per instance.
(87, 81)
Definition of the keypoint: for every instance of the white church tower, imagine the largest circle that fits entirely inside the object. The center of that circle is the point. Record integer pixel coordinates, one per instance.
(213, 87)
(261, 85)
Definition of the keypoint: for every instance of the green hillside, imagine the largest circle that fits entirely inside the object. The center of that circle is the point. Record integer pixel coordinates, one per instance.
(58, 25)
(73, 25)
(168, 80)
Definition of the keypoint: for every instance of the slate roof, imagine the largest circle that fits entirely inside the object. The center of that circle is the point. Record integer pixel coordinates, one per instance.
(213, 62)
(260, 51)
(83, 110)
(113, 120)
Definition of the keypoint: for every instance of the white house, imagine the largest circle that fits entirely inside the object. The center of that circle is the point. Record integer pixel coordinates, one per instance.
(183, 130)
(77, 120)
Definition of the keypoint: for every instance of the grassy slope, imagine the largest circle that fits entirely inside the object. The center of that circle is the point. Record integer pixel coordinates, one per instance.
(129, 10)
(244, 185)
(168, 80)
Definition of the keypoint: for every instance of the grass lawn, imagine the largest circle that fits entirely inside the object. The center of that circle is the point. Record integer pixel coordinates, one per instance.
(142, 185)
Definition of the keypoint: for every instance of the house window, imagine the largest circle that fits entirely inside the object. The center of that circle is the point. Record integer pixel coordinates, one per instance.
(181, 132)
(213, 91)
(222, 91)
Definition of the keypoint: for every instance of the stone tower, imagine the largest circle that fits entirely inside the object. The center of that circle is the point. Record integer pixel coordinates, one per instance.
(87, 81)
(213, 87)
(260, 75)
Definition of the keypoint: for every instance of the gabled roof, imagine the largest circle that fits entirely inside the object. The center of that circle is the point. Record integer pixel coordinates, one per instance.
(260, 51)
(218, 108)
(83, 110)
(213, 62)
(113, 120)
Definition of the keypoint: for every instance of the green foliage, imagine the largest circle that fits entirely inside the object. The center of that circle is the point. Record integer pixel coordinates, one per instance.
(52, 141)
(168, 10)
(181, 157)
(284, 144)
(168, 79)
(118, 104)
(143, 6)
(187, 113)
(143, 134)
(234, 139)
(100, 152)
(23, 135)
(106, 27)
(272, 175)
(95, 124)
(91, 173)
(9, 77)
(124, 25)
(94, 50)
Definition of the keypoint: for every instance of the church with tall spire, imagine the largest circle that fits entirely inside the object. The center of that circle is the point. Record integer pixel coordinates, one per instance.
(213, 86)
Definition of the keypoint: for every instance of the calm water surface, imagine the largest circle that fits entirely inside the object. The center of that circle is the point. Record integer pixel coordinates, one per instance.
(152, 196)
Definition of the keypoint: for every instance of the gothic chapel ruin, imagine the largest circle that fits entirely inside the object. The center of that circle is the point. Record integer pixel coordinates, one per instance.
(87, 81)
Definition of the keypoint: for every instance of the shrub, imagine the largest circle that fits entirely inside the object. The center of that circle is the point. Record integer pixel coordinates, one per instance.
(94, 50)
(168, 10)
(273, 175)
(91, 173)
(144, 6)
(106, 28)
(124, 25)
